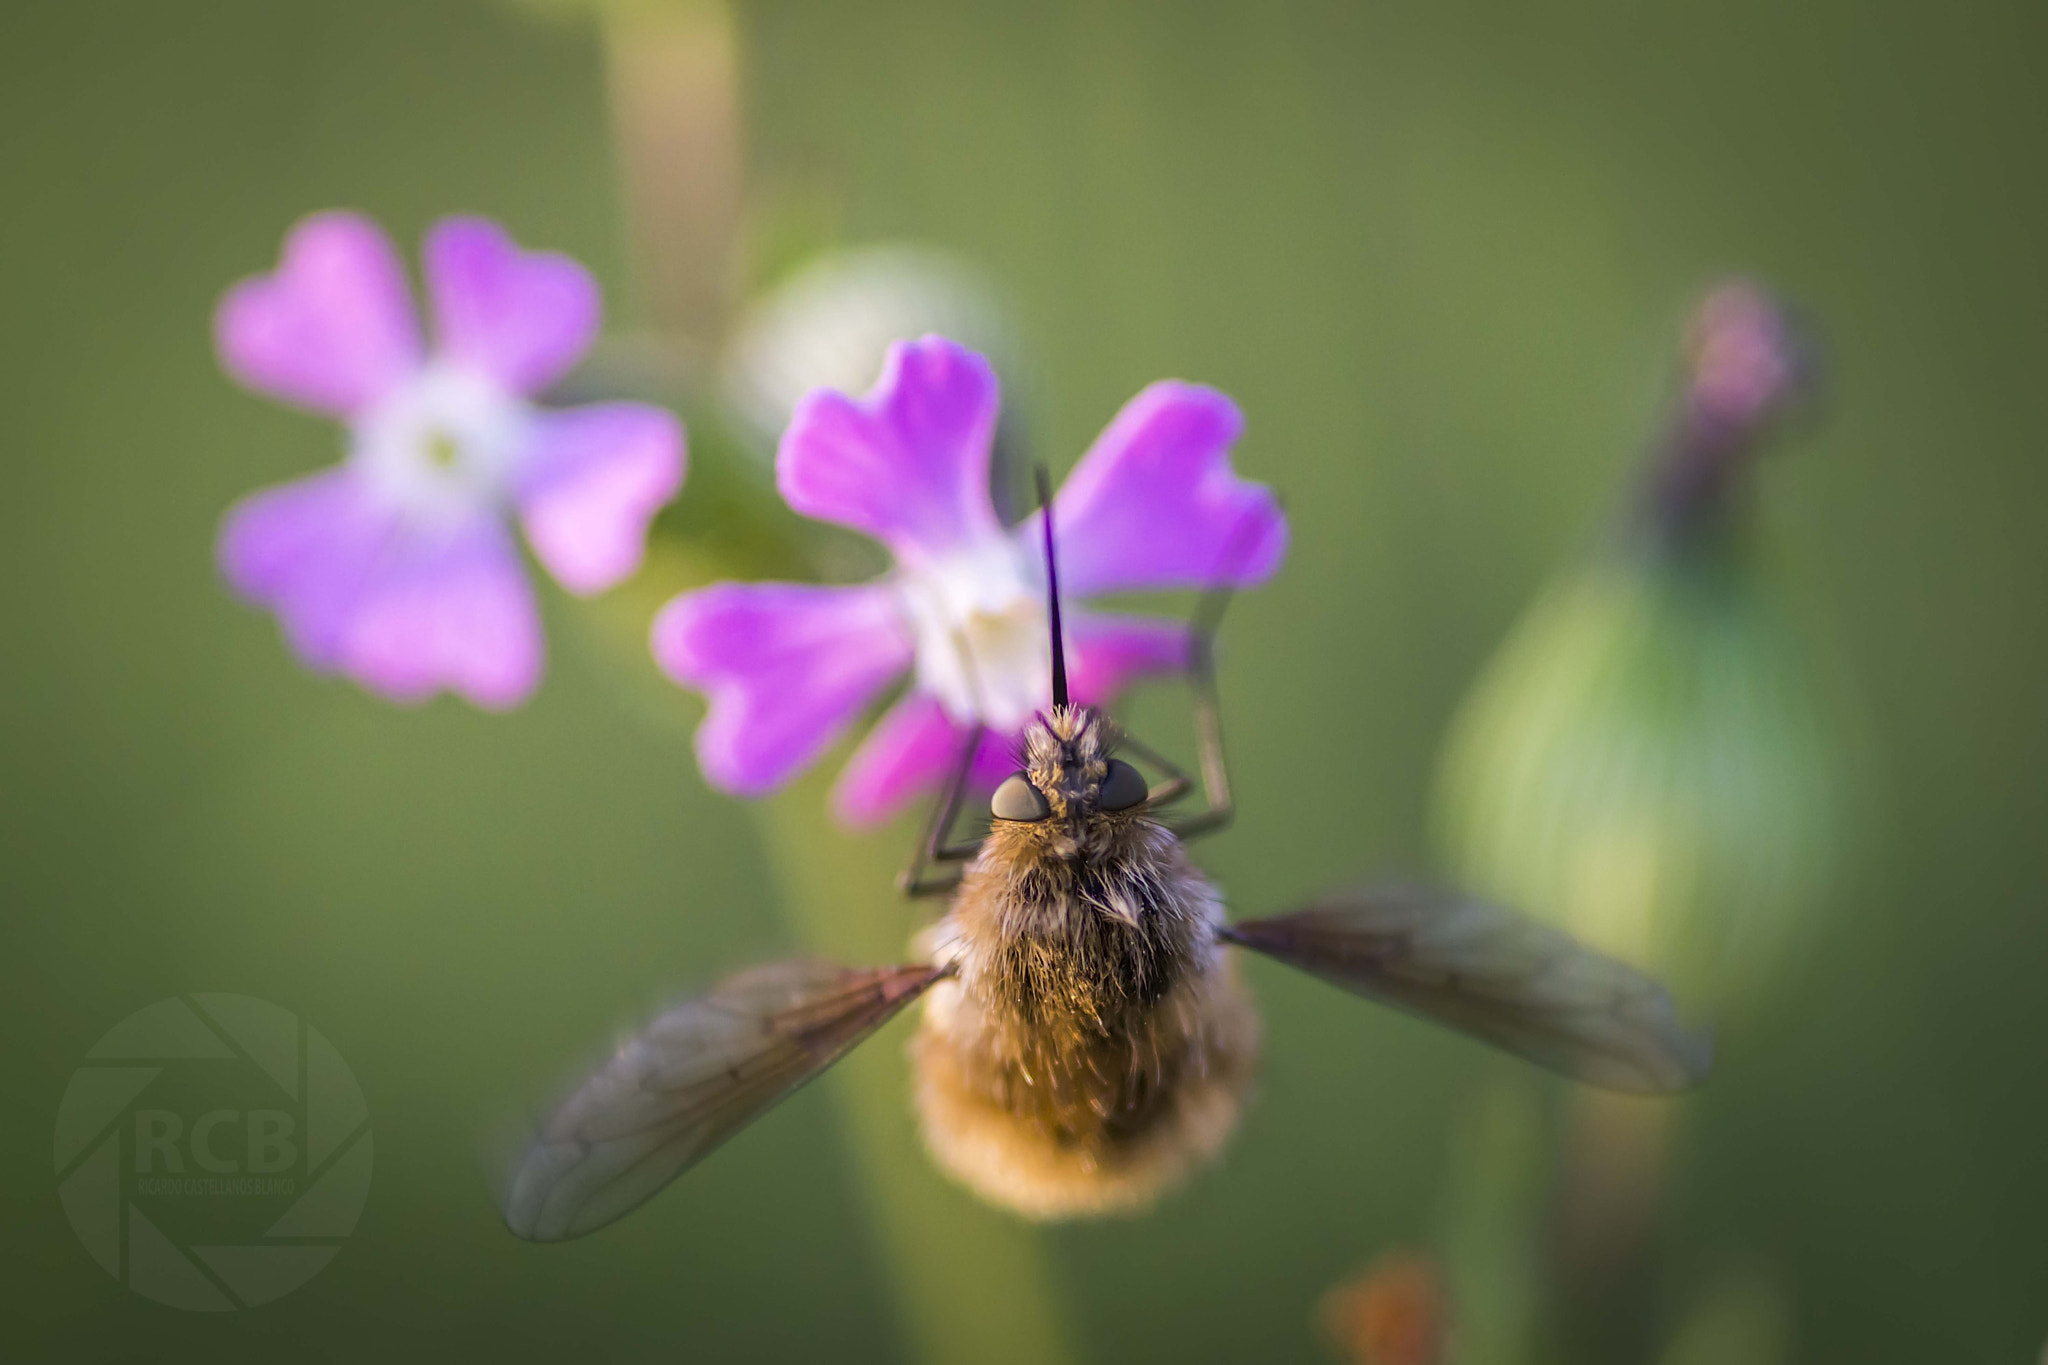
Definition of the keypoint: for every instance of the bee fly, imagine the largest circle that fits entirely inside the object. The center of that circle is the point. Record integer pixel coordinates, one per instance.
(1086, 1041)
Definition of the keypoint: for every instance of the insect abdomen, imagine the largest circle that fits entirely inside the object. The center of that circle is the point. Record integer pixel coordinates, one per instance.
(1082, 1063)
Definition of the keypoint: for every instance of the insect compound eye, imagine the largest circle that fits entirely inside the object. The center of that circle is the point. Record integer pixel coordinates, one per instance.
(1123, 788)
(1017, 799)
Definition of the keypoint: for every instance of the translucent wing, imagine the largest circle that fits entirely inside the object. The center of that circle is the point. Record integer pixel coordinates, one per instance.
(1494, 975)
(691, 1079)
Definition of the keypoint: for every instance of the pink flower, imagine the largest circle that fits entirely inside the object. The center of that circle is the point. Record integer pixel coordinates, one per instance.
(1744, 356)
(397, 567)
(789, 667)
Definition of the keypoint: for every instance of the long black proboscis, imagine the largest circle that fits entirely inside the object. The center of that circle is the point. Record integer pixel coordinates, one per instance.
(1052, 592)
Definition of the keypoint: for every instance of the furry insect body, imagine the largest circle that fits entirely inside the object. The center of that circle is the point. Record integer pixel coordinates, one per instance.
(1090, 1044)
(1085, 1041)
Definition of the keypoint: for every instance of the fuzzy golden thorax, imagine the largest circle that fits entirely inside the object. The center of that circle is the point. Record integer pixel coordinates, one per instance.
(1089, 883)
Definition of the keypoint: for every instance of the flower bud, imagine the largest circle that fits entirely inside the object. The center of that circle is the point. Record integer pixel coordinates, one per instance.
(1648, 760)
(1394, 1312)
(1745, 365)
(830, 323)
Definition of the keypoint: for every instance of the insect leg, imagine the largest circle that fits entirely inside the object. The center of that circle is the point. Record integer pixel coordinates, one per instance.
(1202, 626)
(1220, 809)
(1201, 675)
(1177, 783)
(917, 879)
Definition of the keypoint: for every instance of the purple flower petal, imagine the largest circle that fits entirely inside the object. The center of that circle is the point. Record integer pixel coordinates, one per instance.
(306, 550)
(911, 751)
(908, 752)
(786, 666)
(453, 609)
(1105, 653)
(1154, 503)
(522, 317)
(593, 479)
(332, 329)
(404, 610)
(908, 464)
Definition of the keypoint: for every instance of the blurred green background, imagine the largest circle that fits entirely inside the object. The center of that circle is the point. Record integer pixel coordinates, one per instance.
(1439, 254)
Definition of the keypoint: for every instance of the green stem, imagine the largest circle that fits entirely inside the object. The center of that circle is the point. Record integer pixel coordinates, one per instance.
(673, 72)
(971, 1284)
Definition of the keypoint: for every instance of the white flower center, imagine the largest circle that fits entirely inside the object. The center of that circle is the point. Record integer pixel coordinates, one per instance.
(444, 444)
(982, 643)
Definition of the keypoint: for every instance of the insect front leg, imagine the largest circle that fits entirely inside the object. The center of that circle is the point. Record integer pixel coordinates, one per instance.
(918, 879)
(1177, 784)
(1219, 809)
(1200, 668)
